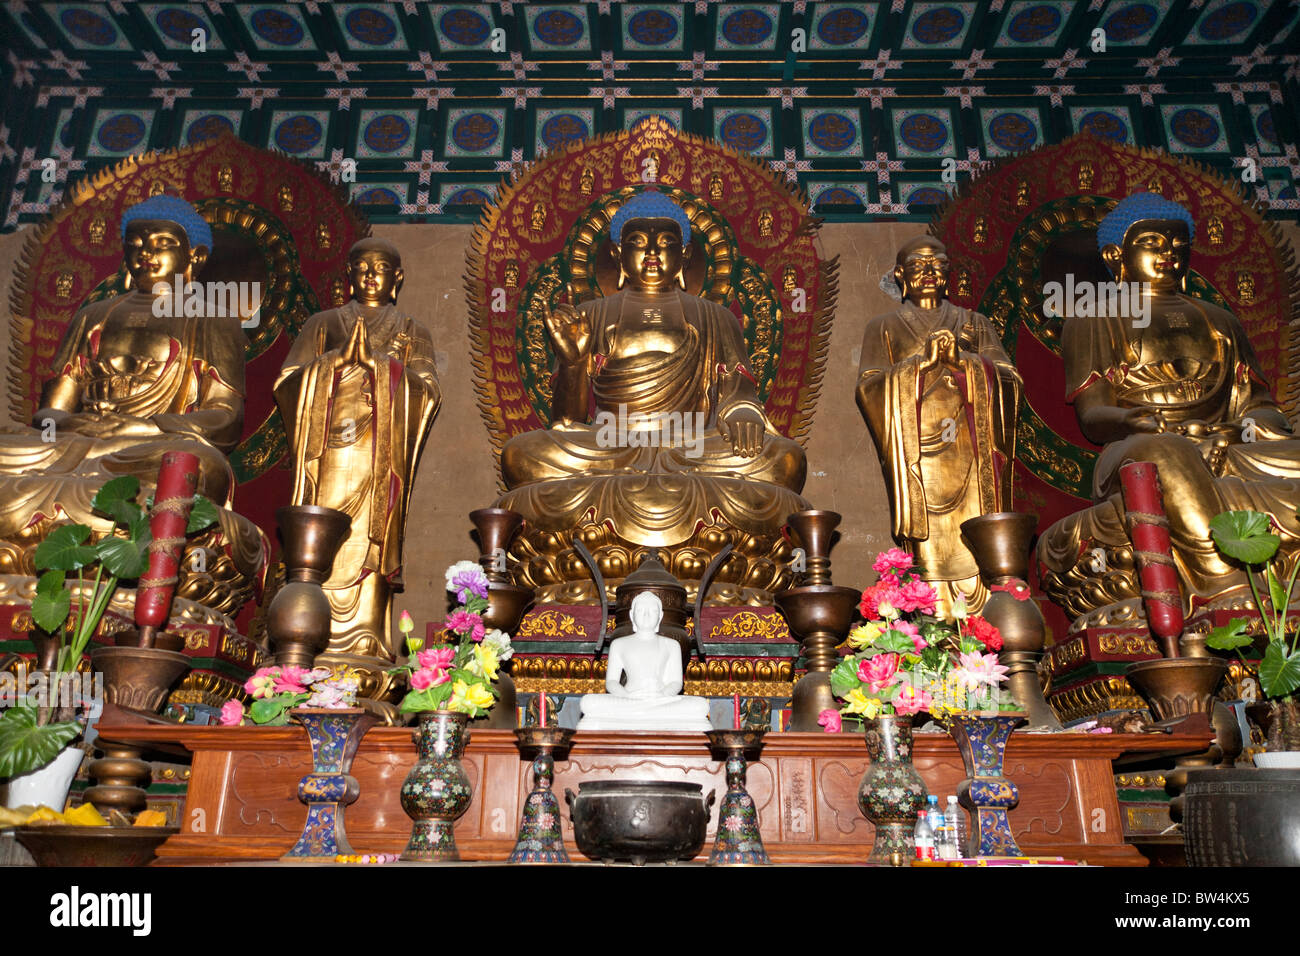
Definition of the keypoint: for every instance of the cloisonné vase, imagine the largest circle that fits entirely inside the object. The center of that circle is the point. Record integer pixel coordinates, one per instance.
(540, 839)
(437, 790)
(335, 734)
(738, 841)
(892, 791)
(986, 793)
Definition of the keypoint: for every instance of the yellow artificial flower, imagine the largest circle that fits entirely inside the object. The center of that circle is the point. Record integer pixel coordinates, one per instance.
(484, 663)
(860, 703)
(864, 635)
(469, 698)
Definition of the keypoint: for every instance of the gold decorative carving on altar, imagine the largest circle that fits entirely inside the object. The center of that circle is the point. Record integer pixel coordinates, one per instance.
(1128, 644)
(750, 626)
(549, 623)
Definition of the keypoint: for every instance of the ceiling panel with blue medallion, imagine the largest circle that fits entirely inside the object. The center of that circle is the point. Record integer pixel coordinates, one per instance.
(863, 104)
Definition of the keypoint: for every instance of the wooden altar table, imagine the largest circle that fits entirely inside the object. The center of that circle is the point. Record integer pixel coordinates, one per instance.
(242, 803)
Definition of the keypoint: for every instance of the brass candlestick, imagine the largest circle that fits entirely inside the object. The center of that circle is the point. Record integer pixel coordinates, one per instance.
(1180, 691)
(738, 841)
(136, 679)
(540, 839)
(1000, 545)
(819, 614)
(496, 529)
(298, 620)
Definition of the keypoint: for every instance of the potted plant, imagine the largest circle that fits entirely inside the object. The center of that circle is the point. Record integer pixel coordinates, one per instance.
(1245, 817)
(1247, 537)
(449, 683)
(36, 738)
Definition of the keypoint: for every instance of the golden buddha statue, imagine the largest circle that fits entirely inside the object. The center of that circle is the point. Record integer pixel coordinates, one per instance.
(940, 397)
(680, 438)
(358, 393)
(1173, 380)
(133, 378)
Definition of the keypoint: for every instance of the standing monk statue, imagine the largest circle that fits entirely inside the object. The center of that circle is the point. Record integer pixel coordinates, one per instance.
(941, 399)
(358, 394)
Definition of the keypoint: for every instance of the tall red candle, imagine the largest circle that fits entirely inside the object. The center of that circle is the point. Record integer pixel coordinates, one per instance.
(735, 711)
(541, 719)
(1148, 529)
(178, 477)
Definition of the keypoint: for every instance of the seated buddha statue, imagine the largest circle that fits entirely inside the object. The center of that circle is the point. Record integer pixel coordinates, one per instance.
(136, 376)
(644, 681)
(1177, 384)
(358, 394)
(679, 432)
(941, 398)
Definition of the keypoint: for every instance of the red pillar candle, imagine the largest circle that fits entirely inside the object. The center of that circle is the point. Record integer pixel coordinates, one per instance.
(1148, 529)
(735, 711)
(178, 477)
(541, 719)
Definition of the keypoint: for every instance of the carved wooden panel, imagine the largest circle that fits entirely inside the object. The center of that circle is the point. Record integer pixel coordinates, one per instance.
(243, 800)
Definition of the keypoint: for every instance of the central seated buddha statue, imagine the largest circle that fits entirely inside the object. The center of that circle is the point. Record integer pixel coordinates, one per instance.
(679, 439)
(134, 378)
(644, 680)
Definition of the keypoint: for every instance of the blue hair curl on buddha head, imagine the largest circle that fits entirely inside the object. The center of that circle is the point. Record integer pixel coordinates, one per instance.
(1136, 208)
(172, 209)
(650, 205)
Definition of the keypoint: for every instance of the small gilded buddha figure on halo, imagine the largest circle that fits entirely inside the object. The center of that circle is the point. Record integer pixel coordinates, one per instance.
(941, 398)
(656, 357)
(1182, 389)
(133, 378)
(358, 394)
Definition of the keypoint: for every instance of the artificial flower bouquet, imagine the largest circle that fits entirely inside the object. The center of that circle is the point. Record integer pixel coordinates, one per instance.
(277, 690)
(459, 674)
(907, 660)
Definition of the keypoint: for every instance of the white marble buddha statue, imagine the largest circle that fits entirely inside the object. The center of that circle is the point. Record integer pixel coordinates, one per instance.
(644, 681)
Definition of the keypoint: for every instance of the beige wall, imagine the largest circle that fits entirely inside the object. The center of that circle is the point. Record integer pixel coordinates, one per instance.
(457, 473)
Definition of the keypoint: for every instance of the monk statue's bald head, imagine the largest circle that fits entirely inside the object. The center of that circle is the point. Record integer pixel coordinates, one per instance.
(921, 271)
(375, 271)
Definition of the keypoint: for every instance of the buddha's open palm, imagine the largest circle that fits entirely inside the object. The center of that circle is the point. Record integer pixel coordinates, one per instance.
(570, 332)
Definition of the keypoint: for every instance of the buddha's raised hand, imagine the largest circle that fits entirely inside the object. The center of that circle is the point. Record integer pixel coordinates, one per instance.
(570, 332)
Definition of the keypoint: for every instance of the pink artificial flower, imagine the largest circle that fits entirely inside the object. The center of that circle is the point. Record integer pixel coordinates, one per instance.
(976, 669)
(891, 562)
(910, 700)
(232, 713)
(831, 720)
(912, 631)
(262, 683)
(425, 678)
(292, 680)
(879, 672)
(916, 595)
(438, 659)
(466, 622)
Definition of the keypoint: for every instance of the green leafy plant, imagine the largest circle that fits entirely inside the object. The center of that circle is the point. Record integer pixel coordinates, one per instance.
(1247, 536)
(31, 736)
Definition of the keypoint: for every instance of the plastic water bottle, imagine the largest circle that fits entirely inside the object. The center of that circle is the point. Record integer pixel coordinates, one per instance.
(934, 815)
(924, 837)
(956, 826)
